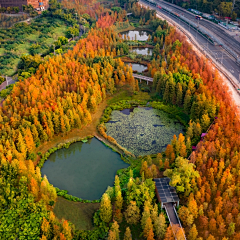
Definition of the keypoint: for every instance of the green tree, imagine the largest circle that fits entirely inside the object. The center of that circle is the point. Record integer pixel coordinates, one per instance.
(187, 102)
(160, 226)
(115, 229)
(127, 235)
(105, 208)
(205, 122)
(179, 94)
(156, 50)
(182, 175)
(132, 213)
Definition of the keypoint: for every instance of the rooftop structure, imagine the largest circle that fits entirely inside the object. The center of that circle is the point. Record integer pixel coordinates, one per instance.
(18, 3)
(165, 192)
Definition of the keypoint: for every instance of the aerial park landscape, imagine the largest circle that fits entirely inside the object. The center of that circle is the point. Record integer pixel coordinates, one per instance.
(101, 122)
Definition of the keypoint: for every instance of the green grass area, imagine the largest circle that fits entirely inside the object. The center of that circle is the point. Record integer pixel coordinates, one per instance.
(80, 214)
(43, 31)
(127, 95)
(33, 37)
(2, 50)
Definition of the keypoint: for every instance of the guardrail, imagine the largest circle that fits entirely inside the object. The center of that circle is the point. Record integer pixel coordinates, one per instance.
(236, 87)
(228, 49)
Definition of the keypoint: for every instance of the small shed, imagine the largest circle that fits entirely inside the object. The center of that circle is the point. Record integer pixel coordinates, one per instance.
(165, 192)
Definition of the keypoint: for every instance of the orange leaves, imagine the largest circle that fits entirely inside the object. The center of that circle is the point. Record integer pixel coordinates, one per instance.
(105, 21)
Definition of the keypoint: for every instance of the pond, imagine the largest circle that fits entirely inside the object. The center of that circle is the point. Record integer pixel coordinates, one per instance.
(138, 67)
(143, 130)
(84, 169)
(143, 51)
(136, 35)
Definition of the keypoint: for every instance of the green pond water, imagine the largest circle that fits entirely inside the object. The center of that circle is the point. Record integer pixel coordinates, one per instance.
(85, 170)
(143, 130)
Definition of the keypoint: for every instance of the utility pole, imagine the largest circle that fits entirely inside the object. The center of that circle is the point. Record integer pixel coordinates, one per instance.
(7, 80)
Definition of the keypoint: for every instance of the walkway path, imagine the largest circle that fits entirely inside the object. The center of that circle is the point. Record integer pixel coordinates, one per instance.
(6, 83)
(171, 214)
(141, 77)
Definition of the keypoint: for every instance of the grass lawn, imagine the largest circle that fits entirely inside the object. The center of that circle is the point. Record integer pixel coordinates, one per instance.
(33, 37)
(127, 95)
(23, 48)
(60, 31)
(2, 51)
(80, 214)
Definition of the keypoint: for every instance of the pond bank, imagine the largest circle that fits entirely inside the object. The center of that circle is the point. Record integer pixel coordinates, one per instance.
(90, 129)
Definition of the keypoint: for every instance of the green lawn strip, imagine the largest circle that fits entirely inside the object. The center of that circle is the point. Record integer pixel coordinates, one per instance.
(80, 214)
(2, 51)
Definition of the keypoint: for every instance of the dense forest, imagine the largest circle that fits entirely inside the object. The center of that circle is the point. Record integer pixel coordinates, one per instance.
(223, 8)
(63, 94)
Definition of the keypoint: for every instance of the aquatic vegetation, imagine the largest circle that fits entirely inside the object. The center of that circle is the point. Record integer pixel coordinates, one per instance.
(143, 130)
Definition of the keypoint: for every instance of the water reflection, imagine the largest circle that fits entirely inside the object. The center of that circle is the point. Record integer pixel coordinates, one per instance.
(84, 169)
(136, 35)
(143, 51)
(138, 67)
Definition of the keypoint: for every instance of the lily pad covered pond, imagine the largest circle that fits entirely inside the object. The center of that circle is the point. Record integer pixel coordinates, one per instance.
(85, 170)
(143, 130)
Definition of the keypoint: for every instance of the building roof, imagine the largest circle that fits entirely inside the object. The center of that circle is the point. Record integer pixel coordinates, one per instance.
(166, 192)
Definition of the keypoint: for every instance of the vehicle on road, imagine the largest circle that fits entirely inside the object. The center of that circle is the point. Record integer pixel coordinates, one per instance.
(198, 17)
(159, 7)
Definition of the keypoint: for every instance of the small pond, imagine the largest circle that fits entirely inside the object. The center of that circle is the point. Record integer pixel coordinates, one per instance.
(138, 67)
(136, 35)
(143, 51)
(143, 130)
(84, 169)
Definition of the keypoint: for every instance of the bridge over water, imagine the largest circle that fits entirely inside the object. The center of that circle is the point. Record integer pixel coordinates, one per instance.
(141, 77)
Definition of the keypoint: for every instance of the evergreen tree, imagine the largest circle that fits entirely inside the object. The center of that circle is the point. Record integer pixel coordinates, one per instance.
(193, 233)
(132, 213)
(148, 227)
(169, 234)
(187, 102)
(115, 229)
(127, 235)
(105, 208)
(179, 94)
(146, 214)
(160, 226)
(205, 122)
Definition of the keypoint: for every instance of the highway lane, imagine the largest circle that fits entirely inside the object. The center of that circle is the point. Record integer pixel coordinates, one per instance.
(212, 27)
(217, 52)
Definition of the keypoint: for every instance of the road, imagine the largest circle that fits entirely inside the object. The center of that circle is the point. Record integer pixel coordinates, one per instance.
(212, 27)
(6, 83)
(217, 52)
